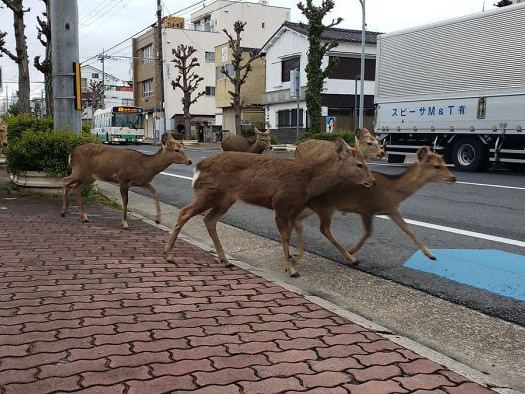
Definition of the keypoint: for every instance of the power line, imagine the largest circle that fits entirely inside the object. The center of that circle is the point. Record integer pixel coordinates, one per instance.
(146, 28)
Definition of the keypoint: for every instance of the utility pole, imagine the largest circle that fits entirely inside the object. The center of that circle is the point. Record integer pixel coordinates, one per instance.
(362, 76)
(64, 46)
(103, 57)
(162, 119)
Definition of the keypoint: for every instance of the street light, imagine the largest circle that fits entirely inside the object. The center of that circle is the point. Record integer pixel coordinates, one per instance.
(362, 76)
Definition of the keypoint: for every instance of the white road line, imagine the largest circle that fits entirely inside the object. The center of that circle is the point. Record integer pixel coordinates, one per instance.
(177, 176)
(489, 185)
(453, 230)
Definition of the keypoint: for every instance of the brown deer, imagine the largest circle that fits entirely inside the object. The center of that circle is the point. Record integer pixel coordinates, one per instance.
(3, 136)
(383, 199)
(365, 141)
(284, 185)
(127, 168)
(237, 143)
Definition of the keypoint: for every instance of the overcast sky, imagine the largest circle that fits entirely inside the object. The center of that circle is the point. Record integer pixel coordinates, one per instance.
(104, 23)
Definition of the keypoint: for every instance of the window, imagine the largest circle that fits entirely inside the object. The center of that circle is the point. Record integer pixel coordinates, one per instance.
(350, 67)
(262, 25)
(288, 118)
(94, 75)
(219, 75)
(210, 90)
(147, 88)
(209, 57)
(145, 54)
(288, 65)
(127, 102)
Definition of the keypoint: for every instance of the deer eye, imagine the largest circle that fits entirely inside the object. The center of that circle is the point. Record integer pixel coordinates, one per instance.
(437, 166)
(176, 150)
(359, 165)
(369, 143)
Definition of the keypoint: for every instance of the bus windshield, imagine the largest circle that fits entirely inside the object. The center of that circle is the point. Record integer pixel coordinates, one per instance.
(131, 120)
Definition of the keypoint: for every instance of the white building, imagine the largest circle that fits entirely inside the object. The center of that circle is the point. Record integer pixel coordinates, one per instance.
(286, 50)
(204, 32)
(117, 92)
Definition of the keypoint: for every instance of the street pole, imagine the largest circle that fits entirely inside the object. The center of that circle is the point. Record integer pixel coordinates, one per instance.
(162, 119)
(362, 76)
(64, 48)
(102, 57)
(298, 95)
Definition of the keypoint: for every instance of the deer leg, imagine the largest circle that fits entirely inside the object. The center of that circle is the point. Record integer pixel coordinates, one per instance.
(210, 220)
(185, 214)
(398, 219)
(66, 184)
(79, 187)
(326, 222)
(285, 228)
(155, 195)
(367, 225)
(124, 188)
(299, 229)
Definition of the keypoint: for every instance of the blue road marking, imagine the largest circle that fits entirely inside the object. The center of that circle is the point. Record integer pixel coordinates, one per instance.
(493, 270)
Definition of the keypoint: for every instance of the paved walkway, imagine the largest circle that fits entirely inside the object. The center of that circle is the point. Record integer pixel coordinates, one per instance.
(93, 308)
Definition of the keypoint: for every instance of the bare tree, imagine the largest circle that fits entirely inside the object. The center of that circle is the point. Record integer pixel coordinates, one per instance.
(240, 70)
(187, 81)
(44, 36)
(96, 94)
(21, 57)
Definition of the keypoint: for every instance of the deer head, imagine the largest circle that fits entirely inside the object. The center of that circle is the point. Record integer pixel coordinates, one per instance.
(3, 134)
(368, 144)
(171, 145)
(357, 165)
(433, 167)
(263, 139)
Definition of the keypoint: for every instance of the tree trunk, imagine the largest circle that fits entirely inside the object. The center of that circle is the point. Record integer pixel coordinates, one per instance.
(187, 124)
(23, 62)
(49, 70)
(238, 115)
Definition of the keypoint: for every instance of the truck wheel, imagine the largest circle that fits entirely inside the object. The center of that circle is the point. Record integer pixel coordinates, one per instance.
(469, 154)
(395, 158)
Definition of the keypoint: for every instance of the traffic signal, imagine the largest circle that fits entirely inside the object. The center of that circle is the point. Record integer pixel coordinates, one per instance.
(78, 89)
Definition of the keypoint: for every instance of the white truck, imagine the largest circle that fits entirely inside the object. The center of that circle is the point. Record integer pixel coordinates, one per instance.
(457, 86)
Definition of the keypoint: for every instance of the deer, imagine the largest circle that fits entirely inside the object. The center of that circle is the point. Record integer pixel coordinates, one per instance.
(383, 199)
(127, 168)
(237, 143)
(3, 137)
(365, 141)
(283, 185)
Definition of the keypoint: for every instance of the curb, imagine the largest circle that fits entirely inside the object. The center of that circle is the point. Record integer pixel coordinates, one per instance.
(474, 375)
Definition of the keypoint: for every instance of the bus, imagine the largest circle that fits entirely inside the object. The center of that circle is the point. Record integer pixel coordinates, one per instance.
(119, 125)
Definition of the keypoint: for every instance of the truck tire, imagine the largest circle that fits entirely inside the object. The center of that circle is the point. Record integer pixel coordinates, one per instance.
(469, 154)
(396, 158)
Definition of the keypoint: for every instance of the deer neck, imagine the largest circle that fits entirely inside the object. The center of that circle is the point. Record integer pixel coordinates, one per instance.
(256, 147)
(321, 177)
(409, 182)
(160, 160)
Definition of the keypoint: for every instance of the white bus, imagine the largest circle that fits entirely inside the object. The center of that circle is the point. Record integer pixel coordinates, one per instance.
(119, 125)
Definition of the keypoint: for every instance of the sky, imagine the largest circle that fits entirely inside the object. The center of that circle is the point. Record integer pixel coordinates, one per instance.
(104, 23)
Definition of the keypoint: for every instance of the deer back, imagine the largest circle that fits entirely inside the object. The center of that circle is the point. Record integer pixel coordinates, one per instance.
(3, 134)
(259, 179)
(117, 165)
(236, 143)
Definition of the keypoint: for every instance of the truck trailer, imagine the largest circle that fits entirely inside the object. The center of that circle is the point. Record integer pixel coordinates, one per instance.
(457, 86)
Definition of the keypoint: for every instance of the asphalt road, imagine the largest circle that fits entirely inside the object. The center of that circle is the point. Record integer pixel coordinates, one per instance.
(488, 204)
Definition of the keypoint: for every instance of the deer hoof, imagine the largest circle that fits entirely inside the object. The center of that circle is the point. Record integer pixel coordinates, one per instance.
(169, 258)
(227, 264)
(432, 257)
(356, 263)
(62, 214)
(294, 275)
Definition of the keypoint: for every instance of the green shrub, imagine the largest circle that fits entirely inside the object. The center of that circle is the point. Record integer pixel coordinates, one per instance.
(48, 152)
(86, 128)
(178, 136)
(25, 122)
(348, 136)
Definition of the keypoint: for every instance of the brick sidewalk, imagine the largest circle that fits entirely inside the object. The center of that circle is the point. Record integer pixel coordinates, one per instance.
(94, 308)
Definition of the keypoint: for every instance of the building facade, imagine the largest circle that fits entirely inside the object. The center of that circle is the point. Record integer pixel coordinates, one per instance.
(116, 91)
(251, 91)
(203, 31)
(286, 50)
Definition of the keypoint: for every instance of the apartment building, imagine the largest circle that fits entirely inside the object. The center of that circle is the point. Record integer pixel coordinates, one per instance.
(117, 92)
(204, 31)
(286, 50)
(251, 91)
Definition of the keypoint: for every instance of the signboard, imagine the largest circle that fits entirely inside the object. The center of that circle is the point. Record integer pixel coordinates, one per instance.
(224, 54)
(128, 109)
(330, 123)
(294, 83)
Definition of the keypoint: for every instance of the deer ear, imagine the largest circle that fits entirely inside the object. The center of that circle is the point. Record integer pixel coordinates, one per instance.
(256, 130)
(422, 153)
(358, 134)
(164, 139)
(341, 146)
